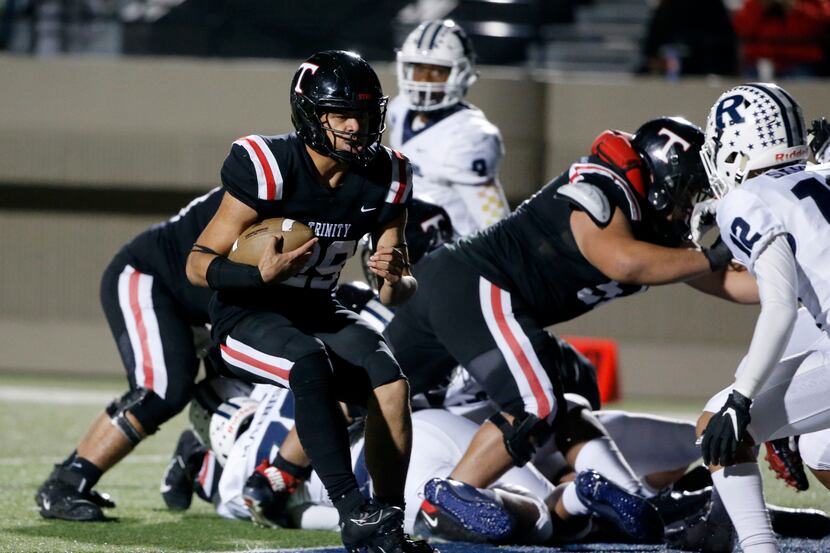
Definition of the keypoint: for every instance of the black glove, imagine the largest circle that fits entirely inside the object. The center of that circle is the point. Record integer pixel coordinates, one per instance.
(718, 255)
(725, 431)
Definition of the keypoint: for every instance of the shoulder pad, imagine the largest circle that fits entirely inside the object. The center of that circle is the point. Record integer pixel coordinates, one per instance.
(589, 198)
(251, 172)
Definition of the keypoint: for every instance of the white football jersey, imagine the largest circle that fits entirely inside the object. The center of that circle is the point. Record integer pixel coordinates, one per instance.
(439, 440)
(452, 161)
(793, 201)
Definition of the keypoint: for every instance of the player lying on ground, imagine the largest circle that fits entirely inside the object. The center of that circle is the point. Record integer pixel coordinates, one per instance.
(773, 212)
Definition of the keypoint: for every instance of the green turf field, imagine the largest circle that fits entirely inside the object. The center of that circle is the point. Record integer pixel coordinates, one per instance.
(41, 427)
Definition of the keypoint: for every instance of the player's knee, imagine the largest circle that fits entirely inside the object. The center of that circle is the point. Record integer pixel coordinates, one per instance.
(393, 393)
(382, 368)
(139, 413)
(580, 426)
(523, 436)
(311, 373)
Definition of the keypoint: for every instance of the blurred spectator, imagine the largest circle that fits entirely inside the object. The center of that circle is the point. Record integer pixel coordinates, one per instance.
(690, 37)
(790, 34)
(6, 17)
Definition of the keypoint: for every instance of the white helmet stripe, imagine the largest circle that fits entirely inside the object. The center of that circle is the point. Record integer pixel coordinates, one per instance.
(786, 114)
(797, 116)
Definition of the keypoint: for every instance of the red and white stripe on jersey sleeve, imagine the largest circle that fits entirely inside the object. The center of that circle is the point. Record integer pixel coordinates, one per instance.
(268, 176)
(514, 344)
(135, 298)
(270, 367)
(400, 187)
(579, 170)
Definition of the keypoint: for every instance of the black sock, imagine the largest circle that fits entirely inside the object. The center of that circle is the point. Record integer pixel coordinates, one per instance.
(348, 503)
(393, 501)
(80, 474)
(322, 429)
(297, 471)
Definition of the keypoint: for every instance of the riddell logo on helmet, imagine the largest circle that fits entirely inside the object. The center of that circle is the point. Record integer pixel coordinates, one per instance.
(795, 154)
(364, 96)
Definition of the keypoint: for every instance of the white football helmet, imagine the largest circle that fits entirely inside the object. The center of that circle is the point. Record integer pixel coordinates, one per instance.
(440, 42)
(752, 126)
(230, 420)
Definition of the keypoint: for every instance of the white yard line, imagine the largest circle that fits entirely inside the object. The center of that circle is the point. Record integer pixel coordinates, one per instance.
(56, 396)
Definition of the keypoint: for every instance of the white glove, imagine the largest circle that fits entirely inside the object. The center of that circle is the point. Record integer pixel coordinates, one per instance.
(703, 219)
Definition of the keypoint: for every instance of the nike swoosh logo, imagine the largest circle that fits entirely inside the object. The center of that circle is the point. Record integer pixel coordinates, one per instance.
(430, 520)
(364, 209)
(734, 417)
(164, 488)
(369, 521)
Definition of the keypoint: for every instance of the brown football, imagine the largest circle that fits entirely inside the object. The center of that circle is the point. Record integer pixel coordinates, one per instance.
(249, 246)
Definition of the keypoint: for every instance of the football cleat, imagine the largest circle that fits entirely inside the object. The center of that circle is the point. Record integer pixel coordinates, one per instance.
(674, 506)
(456, 511)
(785, 462)
(267, 507)
(60, 500)
(709, 531)
(373, 528)
(630, 513)
(177, 481)
(810, 524)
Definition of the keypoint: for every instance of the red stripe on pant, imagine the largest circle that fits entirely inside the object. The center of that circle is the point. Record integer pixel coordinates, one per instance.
(518, 353)
(142, 330)
(239, 356)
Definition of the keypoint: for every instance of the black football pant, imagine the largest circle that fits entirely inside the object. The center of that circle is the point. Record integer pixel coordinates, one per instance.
(304, 353)
(459, 317)
(154, 339)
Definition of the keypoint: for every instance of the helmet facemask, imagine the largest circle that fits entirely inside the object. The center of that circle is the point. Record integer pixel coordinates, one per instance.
(314, 117)
(676, 180)
(437, 43)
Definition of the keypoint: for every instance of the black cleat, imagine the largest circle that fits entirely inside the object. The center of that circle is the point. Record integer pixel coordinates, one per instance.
(375, 529)
(809, 524)
(709, 531)
(60, 500)
(674, 506)
(177, 482)
(267, 507)
(696, 479)
(785, 461)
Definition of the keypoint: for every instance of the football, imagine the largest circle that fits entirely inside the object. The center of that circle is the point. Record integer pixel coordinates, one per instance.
(249, 246)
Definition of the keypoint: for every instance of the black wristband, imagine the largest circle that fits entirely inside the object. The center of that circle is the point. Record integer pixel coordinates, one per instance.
(718, 255)
(224, 274)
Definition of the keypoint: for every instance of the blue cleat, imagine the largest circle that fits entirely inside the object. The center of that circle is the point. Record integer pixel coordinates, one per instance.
(456, 511)
(630, 513)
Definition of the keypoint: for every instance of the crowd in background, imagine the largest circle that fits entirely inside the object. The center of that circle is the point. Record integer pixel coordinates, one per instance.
(749, 38)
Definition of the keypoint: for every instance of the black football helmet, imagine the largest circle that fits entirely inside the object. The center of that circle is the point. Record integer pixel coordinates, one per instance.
(335, 81)
(675, 178)
(428, 226)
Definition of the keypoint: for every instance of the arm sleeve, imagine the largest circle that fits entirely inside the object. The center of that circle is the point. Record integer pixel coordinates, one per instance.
(775, 270)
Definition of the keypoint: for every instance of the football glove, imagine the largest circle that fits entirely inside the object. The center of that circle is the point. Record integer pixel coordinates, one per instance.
(703, 219)
(725, 431)
(718, 255)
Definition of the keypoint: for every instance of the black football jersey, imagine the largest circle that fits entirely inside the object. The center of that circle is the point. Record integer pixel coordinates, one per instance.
(162, 251)
(533, 252)
(275, 176)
